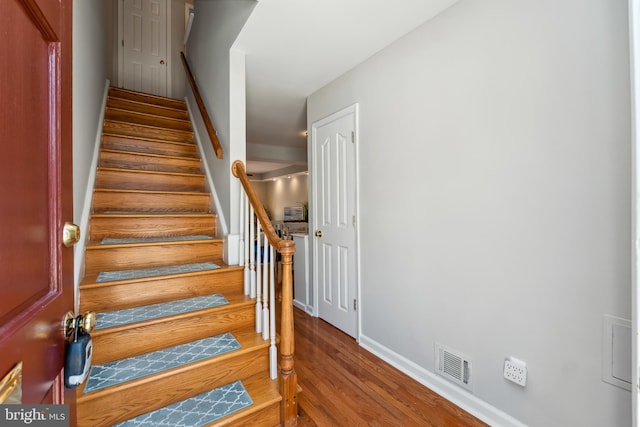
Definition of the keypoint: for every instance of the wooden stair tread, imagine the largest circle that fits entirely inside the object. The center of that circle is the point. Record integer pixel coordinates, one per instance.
(154, 155)
(133, 105)
(149, 119)
(265, 393)
(99, 246)
(151, 173)
(90, 280)
(145, 126)
(122, 93)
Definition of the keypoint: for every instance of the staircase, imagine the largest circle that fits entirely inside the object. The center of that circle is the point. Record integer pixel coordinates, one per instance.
(175, 342)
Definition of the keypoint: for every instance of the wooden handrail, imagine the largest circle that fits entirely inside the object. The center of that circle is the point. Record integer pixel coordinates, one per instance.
(288, 377)
(203, 109)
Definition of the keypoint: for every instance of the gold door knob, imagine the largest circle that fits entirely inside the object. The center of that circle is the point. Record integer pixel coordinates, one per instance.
(319, 233)
(87, 323)
(70, 234)
(162, 62)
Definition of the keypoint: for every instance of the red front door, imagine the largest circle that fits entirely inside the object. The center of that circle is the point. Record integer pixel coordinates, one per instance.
(36, 270)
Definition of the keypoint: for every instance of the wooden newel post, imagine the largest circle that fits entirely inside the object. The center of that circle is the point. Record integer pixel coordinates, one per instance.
(288, 379)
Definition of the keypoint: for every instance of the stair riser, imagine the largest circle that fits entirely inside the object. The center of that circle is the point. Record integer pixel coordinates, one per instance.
(152, 226)
(146, 119)
(131, 180)
(143, 131)
(268, 416)
(105, 409)
(139, 107)
(125, 143)
(106, 258)
(111, 159)
(105, 201)
(128, 341)
(146, 98)
(107, 297)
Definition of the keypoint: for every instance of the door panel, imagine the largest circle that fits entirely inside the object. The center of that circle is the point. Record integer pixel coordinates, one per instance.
(145, 46)
(334, 203)
(36, 270)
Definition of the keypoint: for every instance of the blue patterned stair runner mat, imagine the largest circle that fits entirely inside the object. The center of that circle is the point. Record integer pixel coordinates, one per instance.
(110, 276)
(154, 311)
(120, 371)
(197, 411)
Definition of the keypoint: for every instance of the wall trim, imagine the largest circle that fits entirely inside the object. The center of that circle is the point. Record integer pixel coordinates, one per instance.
(460, 397)
(78, 253)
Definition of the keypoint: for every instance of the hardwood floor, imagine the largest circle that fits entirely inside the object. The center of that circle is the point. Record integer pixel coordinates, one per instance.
(345, 385)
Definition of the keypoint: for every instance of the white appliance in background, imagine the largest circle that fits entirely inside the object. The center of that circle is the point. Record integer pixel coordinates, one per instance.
(301, 292)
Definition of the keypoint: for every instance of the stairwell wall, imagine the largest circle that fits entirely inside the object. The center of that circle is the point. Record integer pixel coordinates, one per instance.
(92, 23)
(219, 72)
(495, 202)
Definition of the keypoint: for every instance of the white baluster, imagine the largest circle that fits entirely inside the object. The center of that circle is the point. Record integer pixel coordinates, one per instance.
(273, 352)
(265, 292)
(243, 231)
(252, 262)
(258, 281)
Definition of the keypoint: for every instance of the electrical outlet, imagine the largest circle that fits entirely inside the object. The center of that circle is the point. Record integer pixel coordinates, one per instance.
(515, 370)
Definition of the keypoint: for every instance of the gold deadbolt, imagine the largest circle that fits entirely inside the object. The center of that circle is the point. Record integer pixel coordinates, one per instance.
(319, 233)
(70, 234)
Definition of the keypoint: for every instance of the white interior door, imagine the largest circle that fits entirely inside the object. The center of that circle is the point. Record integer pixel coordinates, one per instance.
(145, 46)
(334, 218)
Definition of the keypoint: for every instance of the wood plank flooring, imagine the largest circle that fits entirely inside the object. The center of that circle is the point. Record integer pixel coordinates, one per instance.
(345, 385)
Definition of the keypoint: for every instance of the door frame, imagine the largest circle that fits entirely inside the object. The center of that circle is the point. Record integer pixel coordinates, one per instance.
(313, 214)
(120, 48)
(634, 62)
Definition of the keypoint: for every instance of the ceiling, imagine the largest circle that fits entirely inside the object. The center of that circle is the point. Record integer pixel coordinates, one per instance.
(295, 47)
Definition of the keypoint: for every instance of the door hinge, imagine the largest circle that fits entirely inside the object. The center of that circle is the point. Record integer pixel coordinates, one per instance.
(353, 220)
(355, 304)
(122, 42)
(353, 136)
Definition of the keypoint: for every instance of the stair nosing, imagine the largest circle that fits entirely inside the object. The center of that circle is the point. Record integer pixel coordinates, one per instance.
(125, 190)
(152, 215)
(95, 245)
(148, 172)
(143, 154)
(142, 138)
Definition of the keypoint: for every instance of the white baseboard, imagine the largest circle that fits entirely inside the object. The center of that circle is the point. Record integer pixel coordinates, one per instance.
(88, 200)
(458, 396)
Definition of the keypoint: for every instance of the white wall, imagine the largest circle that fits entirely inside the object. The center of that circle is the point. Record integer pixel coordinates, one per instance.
(90, 72)
(178, 80)
(219, 73)
(495, 212)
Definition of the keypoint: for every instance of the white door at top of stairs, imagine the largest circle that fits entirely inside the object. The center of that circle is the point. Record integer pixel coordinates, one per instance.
(144, 46)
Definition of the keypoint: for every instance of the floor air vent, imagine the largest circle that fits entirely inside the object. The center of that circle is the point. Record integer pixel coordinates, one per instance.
(453, 366)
